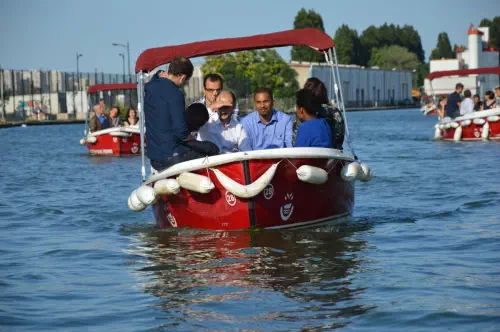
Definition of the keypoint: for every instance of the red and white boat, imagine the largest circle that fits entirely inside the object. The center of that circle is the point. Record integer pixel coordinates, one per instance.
(476, 126)
(264, 189)
(429, 109)
(117, 141)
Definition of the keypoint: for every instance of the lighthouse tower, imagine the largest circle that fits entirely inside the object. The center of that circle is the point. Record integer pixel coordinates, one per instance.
(475, 47)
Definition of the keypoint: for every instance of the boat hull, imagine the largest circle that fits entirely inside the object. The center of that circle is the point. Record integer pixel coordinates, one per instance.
(474, 132)
(106, 144)
(286, 202)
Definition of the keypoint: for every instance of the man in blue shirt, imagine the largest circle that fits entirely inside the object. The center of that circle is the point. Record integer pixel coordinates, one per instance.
(166, 128)
(99, 121)
(453, 102)
(312, 132)
(267, 128)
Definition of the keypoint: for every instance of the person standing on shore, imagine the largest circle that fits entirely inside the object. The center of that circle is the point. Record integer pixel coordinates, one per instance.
(453, 102)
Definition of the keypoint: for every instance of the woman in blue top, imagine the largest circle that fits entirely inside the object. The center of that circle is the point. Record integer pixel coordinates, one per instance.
(312, 132)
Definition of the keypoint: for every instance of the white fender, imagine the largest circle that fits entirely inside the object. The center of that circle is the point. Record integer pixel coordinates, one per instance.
(146, 195)
(91, 139)
(493, 118)
(438, 134)
(436, 126)
(365, 173)
(251, 190)
(82, 141)
(457, 136)
(134, 203)
(447, 125)
(195, 182)
(350, 171)
(311, 174)
(465, 123)
(479, 121)
(441, 126)
(454, 124)
(120, 134)
(486, 131)
(167, 187)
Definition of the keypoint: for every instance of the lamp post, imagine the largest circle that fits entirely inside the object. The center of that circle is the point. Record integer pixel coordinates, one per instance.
(127, 46)
(78, 55)
(123, 62)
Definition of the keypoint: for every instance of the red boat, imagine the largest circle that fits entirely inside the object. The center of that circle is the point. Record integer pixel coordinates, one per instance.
(476, 126)
(278, 188)
(115, 141)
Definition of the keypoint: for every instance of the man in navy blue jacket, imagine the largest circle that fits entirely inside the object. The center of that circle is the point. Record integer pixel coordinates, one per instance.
(166, 128)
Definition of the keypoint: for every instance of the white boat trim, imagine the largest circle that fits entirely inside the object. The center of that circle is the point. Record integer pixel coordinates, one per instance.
(337, 219)
(124, 129)
(471, 116)
(286, 153)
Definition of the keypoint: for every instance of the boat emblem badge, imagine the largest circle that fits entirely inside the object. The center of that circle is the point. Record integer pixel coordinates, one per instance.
(230, 199)
(134, 148)
(286, 210)
(115, 139)
(124, 140)
(269, 191)
(476, 133)
(172, 220)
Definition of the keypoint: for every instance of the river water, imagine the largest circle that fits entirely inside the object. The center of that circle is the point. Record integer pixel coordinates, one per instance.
(422, 252)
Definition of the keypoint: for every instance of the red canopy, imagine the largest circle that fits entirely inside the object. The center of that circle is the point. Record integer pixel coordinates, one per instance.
(111, 87)
(314, 38)
(464, 72)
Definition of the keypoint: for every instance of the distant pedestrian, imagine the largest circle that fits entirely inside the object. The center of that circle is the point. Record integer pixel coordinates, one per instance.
(453, 102)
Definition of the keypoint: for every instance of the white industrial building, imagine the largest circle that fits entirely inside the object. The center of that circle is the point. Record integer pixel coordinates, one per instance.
(478, 54)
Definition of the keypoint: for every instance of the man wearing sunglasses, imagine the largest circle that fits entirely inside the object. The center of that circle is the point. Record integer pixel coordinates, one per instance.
(212, 87)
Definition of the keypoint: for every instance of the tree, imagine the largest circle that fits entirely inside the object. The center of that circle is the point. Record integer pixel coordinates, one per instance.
(307, 19)
(443, 48)
(389, 57)
(246, 71)
(410, 38)
(369, 40)
(347, 45)
(494, 26)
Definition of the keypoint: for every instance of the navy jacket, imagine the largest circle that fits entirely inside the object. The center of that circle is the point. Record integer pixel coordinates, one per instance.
(166, 127)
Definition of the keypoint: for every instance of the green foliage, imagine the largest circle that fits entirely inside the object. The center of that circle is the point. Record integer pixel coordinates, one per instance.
(389, 57)
(307, 19)
(494, 26)
(348, 45)
(443, 48)
(246, 71)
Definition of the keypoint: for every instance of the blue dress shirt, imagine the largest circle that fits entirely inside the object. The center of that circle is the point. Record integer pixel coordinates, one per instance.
(274, 135)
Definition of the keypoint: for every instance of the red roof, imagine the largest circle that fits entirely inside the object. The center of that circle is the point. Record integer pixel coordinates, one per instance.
(314, 38)
(111, 87)
(464, 72)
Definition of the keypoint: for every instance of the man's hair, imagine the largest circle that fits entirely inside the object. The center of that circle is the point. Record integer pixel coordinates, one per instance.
(459, 86)
(96, 106)
(467, 93)
(212, 78)
(264, 90)
(307, 100)
(490, 94)
(497, 87)
(196, 116)
(232, 96)
(476, 96)
(318, 89)
(117, 108)
(181, 65)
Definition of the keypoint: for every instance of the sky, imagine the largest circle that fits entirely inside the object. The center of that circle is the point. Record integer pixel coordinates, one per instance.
(47, 34)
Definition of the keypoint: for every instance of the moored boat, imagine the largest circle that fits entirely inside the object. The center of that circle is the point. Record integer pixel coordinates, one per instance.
(265, 189)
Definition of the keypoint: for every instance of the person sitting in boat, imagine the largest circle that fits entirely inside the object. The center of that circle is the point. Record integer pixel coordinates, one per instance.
(212, 87)
(224, 130)
(164, 109)
(497, 94)
(197, 116)
(441, 109)
(453, 102)
(99, 120)
(313, 131)
(478, 104)
(328, 112)
(267, 128)
(467, 105)
(114, 117)
(132, 120)
(489, 100)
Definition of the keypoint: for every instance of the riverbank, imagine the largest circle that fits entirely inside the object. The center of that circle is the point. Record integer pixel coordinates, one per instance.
(10, 124)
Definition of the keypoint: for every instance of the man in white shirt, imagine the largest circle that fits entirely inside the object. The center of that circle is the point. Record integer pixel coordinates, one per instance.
(467, 105)
(223, 129)
(212, 86)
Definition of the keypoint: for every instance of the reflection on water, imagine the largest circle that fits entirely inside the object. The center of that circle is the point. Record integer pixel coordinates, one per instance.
(211, 275)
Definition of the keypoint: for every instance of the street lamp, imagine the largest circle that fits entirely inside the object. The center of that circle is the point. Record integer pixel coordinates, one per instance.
(123, 61)
(127, 46)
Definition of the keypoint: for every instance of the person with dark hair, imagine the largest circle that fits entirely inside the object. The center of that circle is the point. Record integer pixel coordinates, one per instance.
(224, 130)
(313, 131)
(212, 87)
(267, 128)
(453, 102)
(131, 119)
(489, 100)
(164, 110)
(497, 95)
(331, 114)
(478, 104)
(441, 109)
(114, 117)
(467, 105)
(197, 117)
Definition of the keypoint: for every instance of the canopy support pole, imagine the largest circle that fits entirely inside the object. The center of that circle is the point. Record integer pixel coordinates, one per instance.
(87, 116)
(432, 91)
(140, 106)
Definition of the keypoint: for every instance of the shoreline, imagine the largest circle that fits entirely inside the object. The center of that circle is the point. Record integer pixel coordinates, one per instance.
(11, 124)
